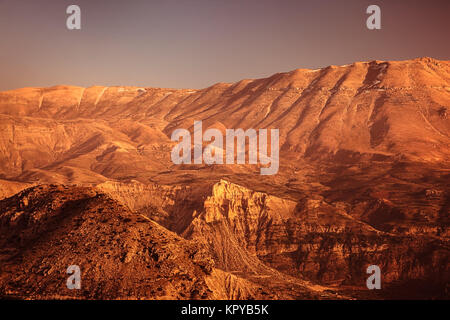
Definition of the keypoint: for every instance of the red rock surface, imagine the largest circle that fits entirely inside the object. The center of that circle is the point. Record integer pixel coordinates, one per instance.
(364, 179)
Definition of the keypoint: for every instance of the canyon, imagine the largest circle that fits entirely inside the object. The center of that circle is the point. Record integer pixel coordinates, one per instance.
(86, 178)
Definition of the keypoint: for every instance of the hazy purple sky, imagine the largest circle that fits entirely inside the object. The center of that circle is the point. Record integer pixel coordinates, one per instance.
(194, 44)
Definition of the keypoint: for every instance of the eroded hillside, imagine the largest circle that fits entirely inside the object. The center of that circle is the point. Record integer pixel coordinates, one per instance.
(364, 179)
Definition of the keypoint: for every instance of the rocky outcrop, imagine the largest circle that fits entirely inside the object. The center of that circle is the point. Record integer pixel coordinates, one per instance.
(313, 240)
(170, 206)
(121, 254)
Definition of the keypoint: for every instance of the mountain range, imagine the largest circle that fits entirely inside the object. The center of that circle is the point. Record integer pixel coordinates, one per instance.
(86, 179)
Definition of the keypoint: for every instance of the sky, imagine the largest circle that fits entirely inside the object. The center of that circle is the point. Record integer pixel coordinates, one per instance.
(194, 44)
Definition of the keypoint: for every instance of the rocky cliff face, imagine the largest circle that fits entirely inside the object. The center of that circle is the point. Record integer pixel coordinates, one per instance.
(45, 229)
(312, 239)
